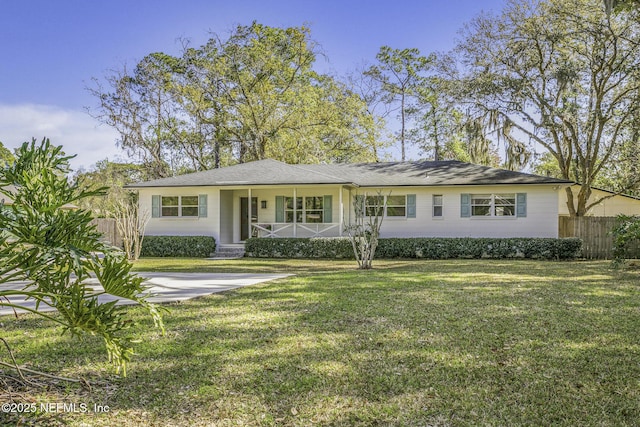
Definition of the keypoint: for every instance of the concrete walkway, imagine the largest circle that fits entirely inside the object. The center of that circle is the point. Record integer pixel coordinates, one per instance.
(169, 287)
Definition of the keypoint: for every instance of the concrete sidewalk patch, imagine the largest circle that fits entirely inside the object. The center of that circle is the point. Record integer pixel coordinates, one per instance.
(170, 287)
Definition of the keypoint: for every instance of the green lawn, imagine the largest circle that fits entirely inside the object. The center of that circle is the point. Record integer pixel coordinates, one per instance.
(460, 343)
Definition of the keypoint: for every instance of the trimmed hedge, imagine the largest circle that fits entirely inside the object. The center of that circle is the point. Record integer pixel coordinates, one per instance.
(178, 246)
(320, 247)
(418, 247)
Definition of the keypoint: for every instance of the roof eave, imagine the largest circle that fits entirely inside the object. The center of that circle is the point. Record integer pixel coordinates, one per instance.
(242, 184)
(469, 184)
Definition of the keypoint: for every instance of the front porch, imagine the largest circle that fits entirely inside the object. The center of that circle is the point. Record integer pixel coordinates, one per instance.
(279, 212)
(272, 230)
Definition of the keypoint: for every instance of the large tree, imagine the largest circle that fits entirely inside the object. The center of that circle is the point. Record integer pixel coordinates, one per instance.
(617, 5)
(140, 107)
(249, 96)
(440, 128)
(370, 90)
(438, 123)
(401, 73)
(258, 90)
(563, 75)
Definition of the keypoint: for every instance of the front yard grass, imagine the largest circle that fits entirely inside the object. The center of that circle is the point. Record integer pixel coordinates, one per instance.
(460, 343)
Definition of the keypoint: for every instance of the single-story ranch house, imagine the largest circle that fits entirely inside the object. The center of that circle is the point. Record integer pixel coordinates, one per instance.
(269, 198)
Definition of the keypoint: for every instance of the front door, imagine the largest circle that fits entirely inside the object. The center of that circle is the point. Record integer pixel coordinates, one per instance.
(244, 215)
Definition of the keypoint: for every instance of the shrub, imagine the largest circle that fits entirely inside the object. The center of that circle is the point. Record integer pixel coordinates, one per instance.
(626, 236)
(322, 247)
(426, 248)
(178, 246)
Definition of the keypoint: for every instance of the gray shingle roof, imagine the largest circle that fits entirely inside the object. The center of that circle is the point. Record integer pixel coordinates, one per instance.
(425, 173)
(449, 172)
(263, 172)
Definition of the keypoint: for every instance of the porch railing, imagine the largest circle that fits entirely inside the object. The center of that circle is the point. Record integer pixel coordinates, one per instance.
(295, 230)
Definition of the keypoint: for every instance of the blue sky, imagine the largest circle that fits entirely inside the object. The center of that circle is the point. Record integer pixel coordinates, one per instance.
(50, 50)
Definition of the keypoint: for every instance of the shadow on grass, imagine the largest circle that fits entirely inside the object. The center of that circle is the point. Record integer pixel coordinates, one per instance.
(459, 343)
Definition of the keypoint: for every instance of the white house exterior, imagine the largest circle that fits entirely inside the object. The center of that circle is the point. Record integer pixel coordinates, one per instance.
(423, 199)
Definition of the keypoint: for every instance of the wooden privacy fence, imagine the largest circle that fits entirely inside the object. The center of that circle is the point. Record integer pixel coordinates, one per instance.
(595, 232)
(107, 227)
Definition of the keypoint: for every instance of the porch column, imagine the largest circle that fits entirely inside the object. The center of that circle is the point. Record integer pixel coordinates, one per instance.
(341, 214)
(349, 207)
(295, 212)
(250, 213)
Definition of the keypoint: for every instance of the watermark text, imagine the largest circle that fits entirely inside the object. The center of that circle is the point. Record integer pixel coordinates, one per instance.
(53, 408)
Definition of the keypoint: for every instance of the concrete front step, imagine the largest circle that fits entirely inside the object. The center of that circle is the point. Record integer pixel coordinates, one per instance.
(235, 251)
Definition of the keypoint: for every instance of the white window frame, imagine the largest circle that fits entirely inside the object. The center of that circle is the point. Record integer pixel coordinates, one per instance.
(369, 207)
(436, 204)
(494, 205)
(314, 210)
(300, 210)
(402, 206)
(180, 206)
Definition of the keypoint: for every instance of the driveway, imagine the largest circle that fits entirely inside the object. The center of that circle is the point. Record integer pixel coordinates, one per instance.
(170, 287)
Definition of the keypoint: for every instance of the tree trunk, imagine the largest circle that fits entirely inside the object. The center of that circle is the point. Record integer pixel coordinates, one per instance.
(402, 126)
(570, 203)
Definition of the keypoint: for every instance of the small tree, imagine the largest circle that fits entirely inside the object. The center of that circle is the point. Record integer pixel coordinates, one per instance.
(131, 223)
(365, 232)
(55, 250)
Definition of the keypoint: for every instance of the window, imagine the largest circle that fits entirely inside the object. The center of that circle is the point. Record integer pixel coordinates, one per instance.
(499, 205)
(289, 209)
(307, 209)
(189, 205)
(437, 205)
(313, 209)
(481, 205)
(396, 206)
(504, 204)
(170, 206)
(179, 206)
(373, 202)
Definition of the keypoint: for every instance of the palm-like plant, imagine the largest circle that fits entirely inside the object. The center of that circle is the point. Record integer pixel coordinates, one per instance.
(54, 249)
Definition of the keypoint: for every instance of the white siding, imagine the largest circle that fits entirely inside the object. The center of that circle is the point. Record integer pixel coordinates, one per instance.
(208, 226)
(541, 219)
(226, 228)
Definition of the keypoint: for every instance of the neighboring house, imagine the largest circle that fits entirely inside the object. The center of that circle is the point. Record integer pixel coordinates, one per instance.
(612, 205)
(423, 199)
